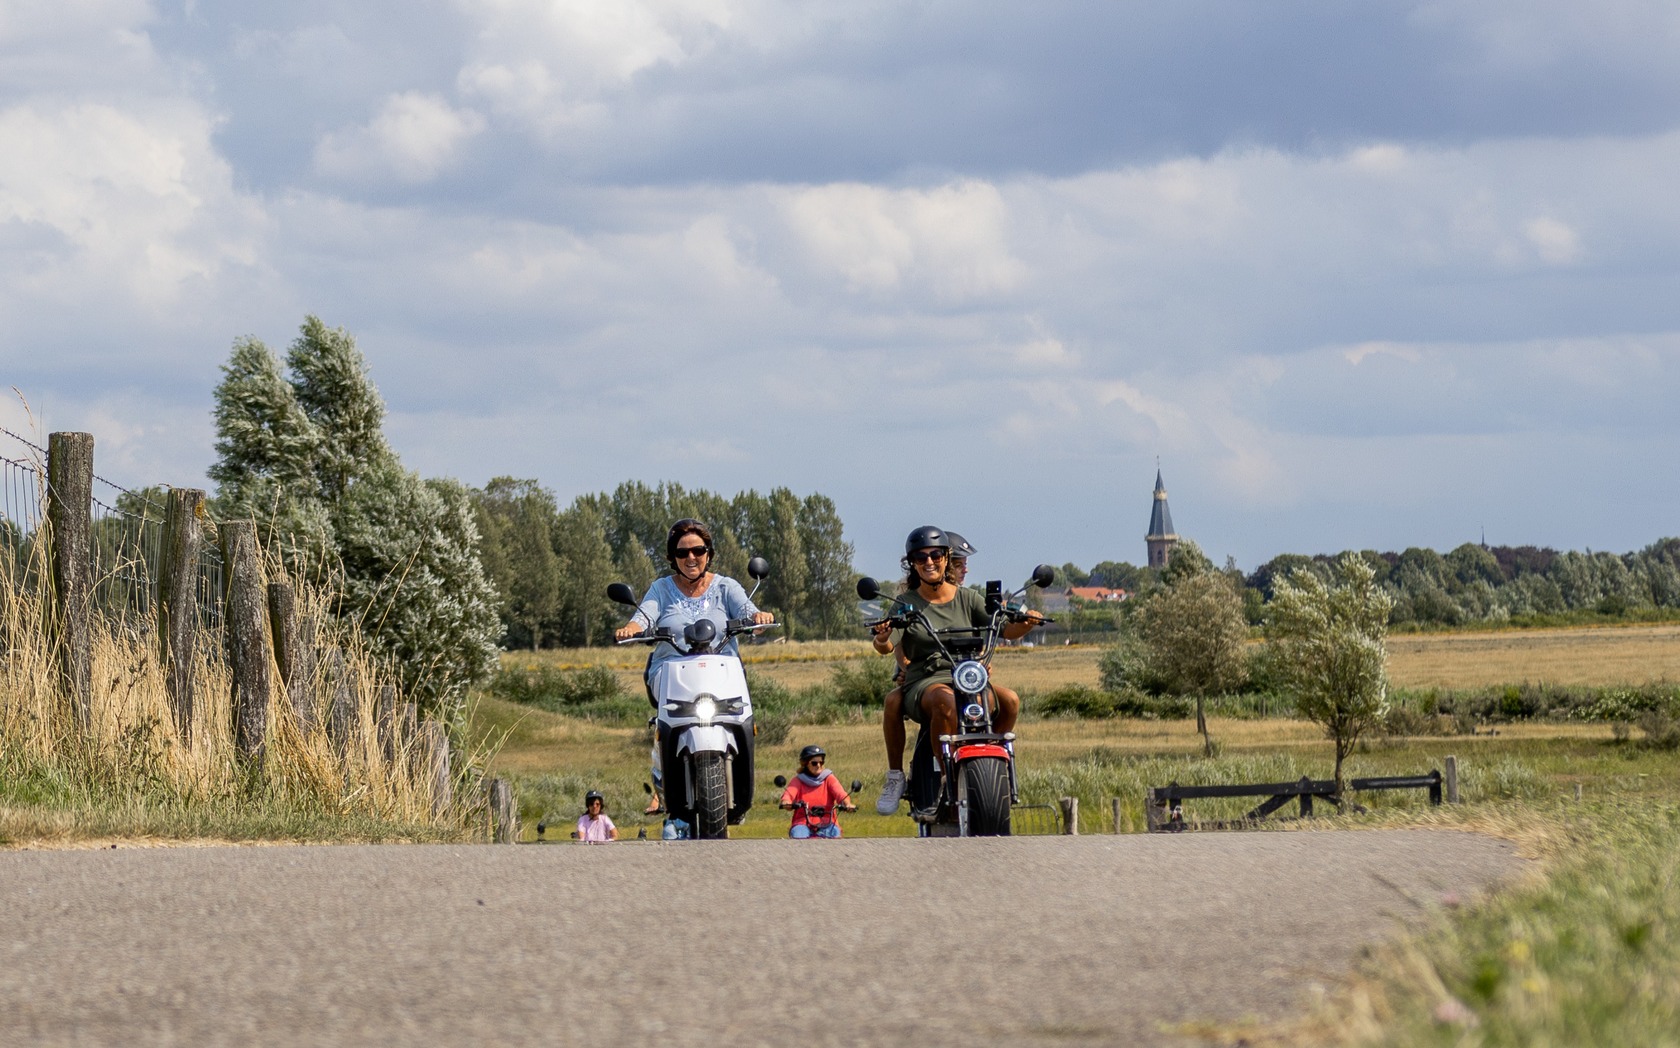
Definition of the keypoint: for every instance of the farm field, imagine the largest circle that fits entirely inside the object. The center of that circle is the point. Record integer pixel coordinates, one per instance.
(1590, 656)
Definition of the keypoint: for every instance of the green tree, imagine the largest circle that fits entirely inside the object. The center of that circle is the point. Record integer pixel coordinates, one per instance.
(829, 576)
(1194, 634)
(586, 568)
(412, 577)
(1329, 648)
(335, 391)
(517, 519)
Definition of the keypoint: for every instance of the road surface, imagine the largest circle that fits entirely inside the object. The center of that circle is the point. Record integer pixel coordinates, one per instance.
(729, 944)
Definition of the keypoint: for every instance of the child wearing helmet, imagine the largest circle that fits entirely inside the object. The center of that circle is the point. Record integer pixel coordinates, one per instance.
(593, 826)
(815, 797)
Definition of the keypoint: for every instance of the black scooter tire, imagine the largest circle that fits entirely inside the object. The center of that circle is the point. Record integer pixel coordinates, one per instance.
(984, 784)
(711, 797)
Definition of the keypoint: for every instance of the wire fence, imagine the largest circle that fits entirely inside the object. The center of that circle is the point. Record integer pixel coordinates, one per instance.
(127, 546)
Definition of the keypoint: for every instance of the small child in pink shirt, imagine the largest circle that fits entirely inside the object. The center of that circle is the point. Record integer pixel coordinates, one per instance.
(593, 826)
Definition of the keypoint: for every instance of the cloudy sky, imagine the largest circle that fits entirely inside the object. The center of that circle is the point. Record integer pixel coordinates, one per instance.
(1355, 274)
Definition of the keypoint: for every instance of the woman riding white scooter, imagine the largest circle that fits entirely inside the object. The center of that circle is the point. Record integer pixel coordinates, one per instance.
(692, 592)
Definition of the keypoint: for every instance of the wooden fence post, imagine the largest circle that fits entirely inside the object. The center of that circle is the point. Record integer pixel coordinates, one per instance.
(1451, 780)
(504, 814)
(385, 720)
(294, 653)
(247, 637)
(1116, 805)
(177, 601)
(341, 704)
(1070, 816)
(70, 524)
(434, 747)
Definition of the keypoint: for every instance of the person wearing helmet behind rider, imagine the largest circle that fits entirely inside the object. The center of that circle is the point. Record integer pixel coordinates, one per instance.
(815, 787)
(927, 695)
(892, 713)
(690, 593)
(593, 826)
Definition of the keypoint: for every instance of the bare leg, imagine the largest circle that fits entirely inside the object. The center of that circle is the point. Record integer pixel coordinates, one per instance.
(892, 729)
(1008, 709)
(939, 702)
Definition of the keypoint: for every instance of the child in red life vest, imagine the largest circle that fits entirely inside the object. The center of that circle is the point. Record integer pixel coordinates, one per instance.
(815, 797)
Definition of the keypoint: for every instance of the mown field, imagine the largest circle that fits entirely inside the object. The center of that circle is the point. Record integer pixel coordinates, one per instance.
(1586, 951)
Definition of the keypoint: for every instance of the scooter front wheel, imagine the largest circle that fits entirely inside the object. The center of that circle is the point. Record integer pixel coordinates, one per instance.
(983, 797)
(711, 797)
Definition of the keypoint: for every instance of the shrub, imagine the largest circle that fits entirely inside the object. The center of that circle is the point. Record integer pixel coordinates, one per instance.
(863, 682)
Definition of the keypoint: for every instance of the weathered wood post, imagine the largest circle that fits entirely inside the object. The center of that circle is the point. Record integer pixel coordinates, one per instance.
(1154, 810)
(385, 719)
(70, 526)
(247, 637)
(1070, 816)
(341, 705)
(434, 744)
(177, 601)
(504, 814)
(1451, 779)
(293, 654)
(1115, 802)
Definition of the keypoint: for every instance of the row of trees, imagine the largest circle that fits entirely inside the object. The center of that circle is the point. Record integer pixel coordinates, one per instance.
(551, 566)
(1472, 583)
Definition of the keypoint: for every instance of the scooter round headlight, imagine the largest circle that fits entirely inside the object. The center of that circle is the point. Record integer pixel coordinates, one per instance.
(705, 708)
(970, 677)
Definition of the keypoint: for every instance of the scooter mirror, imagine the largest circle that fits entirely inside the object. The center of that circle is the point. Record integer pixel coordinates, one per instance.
(780, 780)
(700, 633)
(868, 588)
(619, 593)
(1043, 575)
(758, 568)
(857, 784)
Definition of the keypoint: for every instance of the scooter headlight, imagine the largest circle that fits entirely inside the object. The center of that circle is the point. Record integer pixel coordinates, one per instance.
(970, 677)
(705, 708)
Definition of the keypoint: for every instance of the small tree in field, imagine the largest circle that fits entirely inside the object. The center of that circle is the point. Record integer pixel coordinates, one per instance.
(1329, 648)
(1193, 632)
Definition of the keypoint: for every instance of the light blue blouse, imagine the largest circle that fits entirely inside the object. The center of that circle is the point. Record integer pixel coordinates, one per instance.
(666, 606)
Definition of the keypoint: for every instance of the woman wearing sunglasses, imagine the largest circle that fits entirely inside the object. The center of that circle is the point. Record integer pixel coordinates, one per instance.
(928, 697)
(690, 593)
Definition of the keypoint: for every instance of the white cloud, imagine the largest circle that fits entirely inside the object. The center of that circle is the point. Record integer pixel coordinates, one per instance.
(950, 240)
(414, 138)
(1553, 241)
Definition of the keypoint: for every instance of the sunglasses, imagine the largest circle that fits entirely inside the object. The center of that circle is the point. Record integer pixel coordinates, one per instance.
(814, 762)
(927, 556)
(685, 552)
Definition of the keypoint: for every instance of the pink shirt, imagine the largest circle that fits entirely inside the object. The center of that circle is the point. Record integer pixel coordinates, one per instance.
(596, 830)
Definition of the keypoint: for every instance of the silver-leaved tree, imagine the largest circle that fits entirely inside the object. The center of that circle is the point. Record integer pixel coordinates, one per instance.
(302, 451)
(1329, 649)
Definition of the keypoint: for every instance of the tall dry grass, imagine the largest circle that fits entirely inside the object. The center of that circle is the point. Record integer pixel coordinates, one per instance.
(130, 772)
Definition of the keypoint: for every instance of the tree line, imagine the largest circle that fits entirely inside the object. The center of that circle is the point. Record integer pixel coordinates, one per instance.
(1470, 584)
(551, 566)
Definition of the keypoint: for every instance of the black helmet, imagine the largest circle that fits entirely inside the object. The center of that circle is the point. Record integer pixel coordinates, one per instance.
(925, 536)
(808, 752)
(960, 547)
(592, 796)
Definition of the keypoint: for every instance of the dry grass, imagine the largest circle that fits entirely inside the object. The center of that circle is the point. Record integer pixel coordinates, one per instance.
(130, 773)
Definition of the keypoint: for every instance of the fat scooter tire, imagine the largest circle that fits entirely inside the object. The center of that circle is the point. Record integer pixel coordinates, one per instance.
(711, 797)
(983, 783)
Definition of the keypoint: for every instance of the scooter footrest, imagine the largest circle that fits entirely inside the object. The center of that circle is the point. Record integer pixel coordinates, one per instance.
(928, 815)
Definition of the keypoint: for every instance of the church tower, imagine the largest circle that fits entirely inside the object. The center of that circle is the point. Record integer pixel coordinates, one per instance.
(1161, 538)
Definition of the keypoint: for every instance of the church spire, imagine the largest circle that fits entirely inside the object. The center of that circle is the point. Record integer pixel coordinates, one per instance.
(1161, 538)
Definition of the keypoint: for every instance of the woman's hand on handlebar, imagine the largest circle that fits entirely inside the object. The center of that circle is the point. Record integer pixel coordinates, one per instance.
(627, 631)
(882, 639)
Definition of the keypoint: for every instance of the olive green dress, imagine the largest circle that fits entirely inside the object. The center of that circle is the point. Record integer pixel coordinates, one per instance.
(928, 665)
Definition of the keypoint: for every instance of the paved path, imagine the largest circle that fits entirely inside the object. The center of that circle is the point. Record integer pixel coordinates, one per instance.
(1098, 940)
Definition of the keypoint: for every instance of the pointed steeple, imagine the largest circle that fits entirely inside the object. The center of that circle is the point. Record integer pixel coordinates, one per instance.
(1161, 538)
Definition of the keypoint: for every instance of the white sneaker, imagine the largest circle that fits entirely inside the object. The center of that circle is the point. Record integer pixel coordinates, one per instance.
(891, 793)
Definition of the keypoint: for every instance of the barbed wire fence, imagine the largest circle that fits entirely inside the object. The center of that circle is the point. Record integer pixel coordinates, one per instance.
(127, 545)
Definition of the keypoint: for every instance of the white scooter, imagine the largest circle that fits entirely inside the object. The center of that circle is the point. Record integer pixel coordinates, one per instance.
(703, 739)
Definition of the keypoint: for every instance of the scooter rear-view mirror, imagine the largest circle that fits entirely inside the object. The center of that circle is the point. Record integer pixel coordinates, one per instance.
(619, 593)
(1043, 575)
(758, 568)
(868, 588)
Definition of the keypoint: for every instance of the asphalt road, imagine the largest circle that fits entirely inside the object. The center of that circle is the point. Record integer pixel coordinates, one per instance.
(1024, 941)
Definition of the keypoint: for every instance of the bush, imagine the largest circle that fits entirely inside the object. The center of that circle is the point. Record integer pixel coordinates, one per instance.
(1076, 700)
(863, 682)
(593, 691)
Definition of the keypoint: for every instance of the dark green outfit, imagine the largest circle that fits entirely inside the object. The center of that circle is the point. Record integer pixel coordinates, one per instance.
(928, 665)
